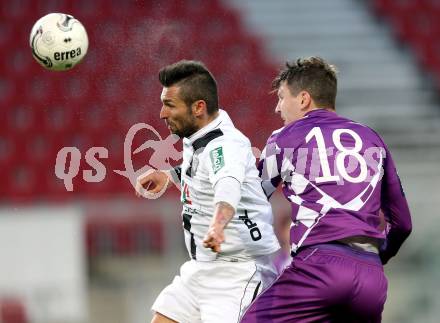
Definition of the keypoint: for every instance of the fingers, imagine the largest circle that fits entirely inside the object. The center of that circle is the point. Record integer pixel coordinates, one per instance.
(151, 184)
(140, 187)
(213, 240)
(214, 246)
(146, 177)
(143, 182)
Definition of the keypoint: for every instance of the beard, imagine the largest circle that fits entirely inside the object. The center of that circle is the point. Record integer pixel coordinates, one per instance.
(184, 127)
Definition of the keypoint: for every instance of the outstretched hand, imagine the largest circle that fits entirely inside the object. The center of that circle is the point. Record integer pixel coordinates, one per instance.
(152, 183)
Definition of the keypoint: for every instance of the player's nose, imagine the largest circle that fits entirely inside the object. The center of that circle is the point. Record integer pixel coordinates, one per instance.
(163, 113)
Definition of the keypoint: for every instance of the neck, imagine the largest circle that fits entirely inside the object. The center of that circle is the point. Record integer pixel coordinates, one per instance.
(317, 108)
(207, 119)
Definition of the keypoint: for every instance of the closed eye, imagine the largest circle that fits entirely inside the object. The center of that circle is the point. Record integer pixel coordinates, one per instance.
(168, 103)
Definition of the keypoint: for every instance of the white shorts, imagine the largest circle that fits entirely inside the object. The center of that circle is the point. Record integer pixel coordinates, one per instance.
(214, 291)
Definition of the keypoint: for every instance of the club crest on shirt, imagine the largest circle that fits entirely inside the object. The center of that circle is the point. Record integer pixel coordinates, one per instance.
(217, 159)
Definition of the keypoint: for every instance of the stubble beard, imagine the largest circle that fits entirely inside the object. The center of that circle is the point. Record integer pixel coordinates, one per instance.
(187, 127)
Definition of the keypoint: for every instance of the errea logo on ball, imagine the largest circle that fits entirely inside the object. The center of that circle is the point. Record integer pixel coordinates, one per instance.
(67, 55)
(58, 41)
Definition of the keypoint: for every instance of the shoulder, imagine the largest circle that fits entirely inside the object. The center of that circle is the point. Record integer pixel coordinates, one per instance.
(291, 135)
(232, 144)
(274, 135)
(232, 136)
(366, 133)
(276, 132)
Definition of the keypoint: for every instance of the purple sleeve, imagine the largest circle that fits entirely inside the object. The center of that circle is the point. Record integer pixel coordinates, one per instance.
(395, 209)
(269, 167)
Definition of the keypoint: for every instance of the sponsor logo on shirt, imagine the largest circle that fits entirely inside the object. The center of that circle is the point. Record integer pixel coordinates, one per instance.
(189, 209)
(185, 198)
(252, 226)
(217, 159)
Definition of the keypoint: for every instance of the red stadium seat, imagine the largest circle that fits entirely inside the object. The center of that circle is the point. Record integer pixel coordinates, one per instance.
(432, 6)
(12, 310)
(85, 10)
(42, 8)
(17, 11)
(116, 86)
(123, 235)
(398, 7)
(6, 35)
(416, 22)
(8, 89)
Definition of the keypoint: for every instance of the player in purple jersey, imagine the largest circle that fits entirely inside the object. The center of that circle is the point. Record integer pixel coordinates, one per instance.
(339, 177)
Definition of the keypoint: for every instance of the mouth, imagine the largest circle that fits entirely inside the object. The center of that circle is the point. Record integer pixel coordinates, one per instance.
(169, 125)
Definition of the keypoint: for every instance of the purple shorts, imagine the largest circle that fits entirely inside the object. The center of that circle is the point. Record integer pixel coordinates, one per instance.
(324, 283)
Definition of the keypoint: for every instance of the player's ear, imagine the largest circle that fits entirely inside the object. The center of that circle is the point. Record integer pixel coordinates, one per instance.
(199, 108)
(306, 99)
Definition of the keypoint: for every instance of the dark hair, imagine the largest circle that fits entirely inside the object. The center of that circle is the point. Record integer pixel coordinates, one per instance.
(195, 81)
(313, 75)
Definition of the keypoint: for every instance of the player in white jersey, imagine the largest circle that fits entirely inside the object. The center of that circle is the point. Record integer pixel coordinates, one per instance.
(227, 219)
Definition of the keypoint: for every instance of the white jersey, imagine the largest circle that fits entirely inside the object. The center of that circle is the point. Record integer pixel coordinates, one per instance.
(216, 151)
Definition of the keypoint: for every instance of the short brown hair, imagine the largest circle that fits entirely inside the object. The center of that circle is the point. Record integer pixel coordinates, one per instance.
(313, 75)
(195, 81)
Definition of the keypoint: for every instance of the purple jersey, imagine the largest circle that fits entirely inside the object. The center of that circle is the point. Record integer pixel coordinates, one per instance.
(337, 175)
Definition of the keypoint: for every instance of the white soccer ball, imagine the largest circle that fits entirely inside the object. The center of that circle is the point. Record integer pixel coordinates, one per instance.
(58, 41)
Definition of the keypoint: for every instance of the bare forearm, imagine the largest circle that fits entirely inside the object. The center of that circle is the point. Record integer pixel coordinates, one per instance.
(223, 213)
(226, 198)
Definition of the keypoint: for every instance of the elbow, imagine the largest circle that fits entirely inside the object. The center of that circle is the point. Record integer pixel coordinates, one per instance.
(406, 228)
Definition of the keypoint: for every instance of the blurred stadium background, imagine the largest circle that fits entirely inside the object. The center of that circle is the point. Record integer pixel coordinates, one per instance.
(99, 254)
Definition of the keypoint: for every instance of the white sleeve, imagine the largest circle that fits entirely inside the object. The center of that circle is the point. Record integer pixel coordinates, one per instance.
(228, 159)
(227, 189)
(175, 174)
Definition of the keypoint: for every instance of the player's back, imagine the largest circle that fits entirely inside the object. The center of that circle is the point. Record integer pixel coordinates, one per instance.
(331, 168)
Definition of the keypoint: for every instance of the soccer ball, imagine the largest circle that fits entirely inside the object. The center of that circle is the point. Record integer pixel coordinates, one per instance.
(58, 41)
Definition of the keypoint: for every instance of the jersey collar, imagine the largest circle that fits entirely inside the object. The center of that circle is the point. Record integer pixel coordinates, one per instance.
(222, 118)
